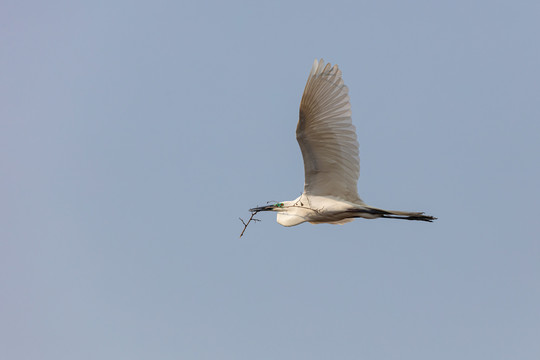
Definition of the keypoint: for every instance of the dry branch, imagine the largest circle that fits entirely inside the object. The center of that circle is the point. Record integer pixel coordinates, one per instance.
(253, 213)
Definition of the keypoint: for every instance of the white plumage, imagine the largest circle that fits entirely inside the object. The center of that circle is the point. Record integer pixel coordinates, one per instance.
(327, 136)
(329, 146)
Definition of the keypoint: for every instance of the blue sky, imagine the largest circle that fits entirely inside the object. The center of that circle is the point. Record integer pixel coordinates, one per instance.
(134, 134)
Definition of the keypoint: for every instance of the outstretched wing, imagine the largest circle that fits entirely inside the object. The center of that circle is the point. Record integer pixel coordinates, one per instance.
(327, 136)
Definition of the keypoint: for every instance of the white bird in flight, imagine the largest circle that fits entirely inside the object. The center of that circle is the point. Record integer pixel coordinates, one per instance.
(329, 147)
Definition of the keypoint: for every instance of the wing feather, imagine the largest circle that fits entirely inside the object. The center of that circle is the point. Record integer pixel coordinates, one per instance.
(327, 136)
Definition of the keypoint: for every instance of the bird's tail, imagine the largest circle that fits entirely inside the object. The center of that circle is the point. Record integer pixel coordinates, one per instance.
(372, 212)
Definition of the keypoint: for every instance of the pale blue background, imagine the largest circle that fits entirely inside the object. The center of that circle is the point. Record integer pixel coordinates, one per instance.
(134, 134)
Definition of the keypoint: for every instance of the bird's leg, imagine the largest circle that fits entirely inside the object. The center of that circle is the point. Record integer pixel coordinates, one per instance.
(420, 217)
(391, 214)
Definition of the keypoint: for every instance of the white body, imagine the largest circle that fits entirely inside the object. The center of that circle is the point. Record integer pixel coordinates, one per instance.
(321, 209)
(327, 139)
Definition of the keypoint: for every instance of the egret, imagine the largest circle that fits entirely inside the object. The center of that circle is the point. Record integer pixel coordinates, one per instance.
(327, 139)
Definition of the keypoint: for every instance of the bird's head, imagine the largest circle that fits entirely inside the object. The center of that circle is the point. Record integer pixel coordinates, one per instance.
(275, 207)
(289, 213)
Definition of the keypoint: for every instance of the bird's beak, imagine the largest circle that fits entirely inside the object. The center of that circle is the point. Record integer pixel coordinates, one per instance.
(263, 208)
